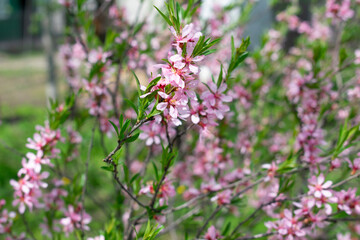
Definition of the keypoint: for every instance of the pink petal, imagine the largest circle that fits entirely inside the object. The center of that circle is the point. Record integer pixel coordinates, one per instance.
(161, 106)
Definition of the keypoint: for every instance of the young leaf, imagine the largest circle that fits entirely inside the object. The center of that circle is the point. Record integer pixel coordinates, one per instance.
(115, 127)
(132, 105)
(137, 83)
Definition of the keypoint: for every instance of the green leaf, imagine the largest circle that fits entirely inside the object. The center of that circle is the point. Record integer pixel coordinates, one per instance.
(137, 83)
(152, 84)
(107, 168)
(80, 3)
(126, 173)
(121, 120)
(164, 16)
(220, 78)
(226, 229)
(286, 183)
(288, 165)
(132, 105)
(124, 127)
(134, 178)
(115, 127)
(342, 56)
(156, 171)
(133, 137)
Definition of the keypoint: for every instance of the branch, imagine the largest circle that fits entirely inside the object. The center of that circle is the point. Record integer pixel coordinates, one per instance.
(122, 141)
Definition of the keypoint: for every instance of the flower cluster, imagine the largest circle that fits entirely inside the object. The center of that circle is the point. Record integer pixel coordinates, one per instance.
(31, 175)
(73, 56)
(177, 88)
(314, 209)
(339, 9)
(76, 218)
(6, 222)
(166, 191)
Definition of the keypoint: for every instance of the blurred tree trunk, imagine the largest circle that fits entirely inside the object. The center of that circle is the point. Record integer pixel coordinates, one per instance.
(304, 15)
(101, 19)
(49, 47)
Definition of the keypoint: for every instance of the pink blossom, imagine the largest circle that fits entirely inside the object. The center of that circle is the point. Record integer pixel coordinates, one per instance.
(23, 185)
(223, 197)
(304, 207)
(76, 218)
(186, 34)
(355, 164)
(23, 200)
(37, 143)
(271, 170)
(101, 237)
(212, 234)
(151, 133)
(318, 187)
(345, 236)
(357, 56)
(66, 3)
(339, 9)
(215, 94)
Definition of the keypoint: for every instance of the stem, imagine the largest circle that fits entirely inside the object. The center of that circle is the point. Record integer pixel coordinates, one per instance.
(86, 177)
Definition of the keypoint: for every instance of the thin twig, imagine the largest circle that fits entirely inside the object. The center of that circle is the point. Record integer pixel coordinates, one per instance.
(346, 180)
(116, 177)
(166, 169)
(252, 215)
(11, 149)
(180, 220)
(217, 209)
(256, 236)
(27, 227)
